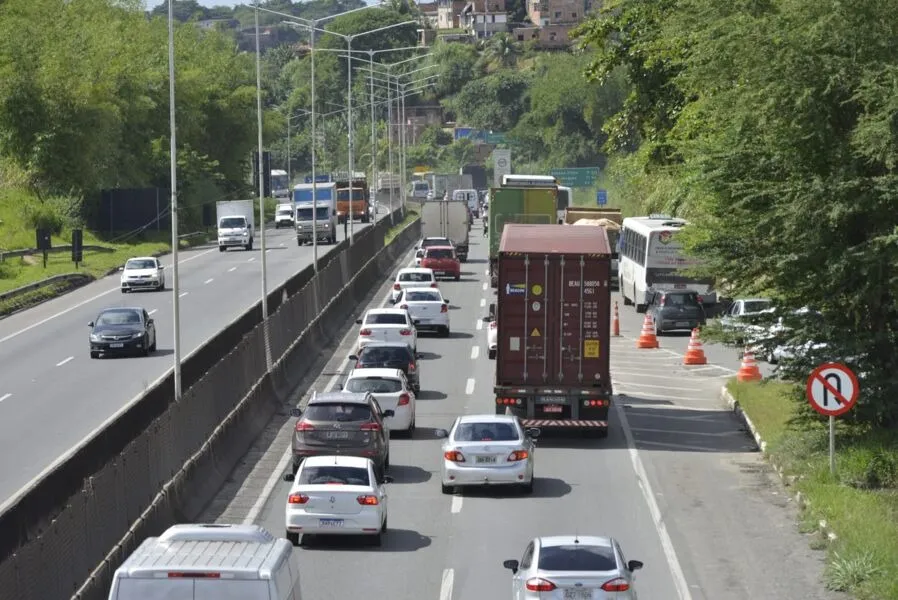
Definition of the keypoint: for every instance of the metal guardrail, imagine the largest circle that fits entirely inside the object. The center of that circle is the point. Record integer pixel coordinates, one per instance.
(76, 279)
(4, 254)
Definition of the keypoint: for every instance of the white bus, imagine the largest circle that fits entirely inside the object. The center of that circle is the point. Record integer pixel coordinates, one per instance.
(651, 258)
(280, 184)
(564, 194)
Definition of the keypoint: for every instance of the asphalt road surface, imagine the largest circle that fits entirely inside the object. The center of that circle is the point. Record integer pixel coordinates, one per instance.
(52, 395)
(677, 481)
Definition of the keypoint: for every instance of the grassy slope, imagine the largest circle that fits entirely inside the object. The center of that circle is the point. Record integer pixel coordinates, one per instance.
(860, 503)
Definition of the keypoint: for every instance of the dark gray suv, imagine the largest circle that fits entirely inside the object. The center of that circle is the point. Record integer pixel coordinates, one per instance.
(676, 310)
(342, 423)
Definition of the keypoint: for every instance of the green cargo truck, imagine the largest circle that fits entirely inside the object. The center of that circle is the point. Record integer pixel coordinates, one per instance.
(535, 206)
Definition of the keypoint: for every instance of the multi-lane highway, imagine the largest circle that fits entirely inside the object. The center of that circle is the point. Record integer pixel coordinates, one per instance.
(677, 481)
(52, 394)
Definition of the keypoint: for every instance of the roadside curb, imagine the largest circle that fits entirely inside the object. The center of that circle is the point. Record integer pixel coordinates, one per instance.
(787, 480)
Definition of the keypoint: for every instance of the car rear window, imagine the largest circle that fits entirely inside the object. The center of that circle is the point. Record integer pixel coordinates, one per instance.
(757, 306)
(439, 253)
(375, 385)
(435, 242)
(577, 558)
(423, 277)
(422, 297)
(385, 319)
(338, 411)
(486, 432)
(334, 474)
(681, 299)
(375, 354)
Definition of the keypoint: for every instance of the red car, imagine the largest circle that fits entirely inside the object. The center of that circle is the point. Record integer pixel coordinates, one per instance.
(442, 261)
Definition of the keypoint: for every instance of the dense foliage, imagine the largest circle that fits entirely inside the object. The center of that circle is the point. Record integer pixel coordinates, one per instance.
(771, 125)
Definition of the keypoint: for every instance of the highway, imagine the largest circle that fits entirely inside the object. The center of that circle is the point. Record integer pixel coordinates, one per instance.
(52, 395)
(677, 481)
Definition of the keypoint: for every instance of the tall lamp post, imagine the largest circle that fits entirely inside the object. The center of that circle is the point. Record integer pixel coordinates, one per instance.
(176, 301)
(261, 226)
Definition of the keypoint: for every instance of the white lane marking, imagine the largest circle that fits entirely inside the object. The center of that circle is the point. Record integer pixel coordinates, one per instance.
(622, 390)
(475, 352)
(642, 479)
(456, 504)
(208, 281)
(232, 269)
(282, 245)
(485, 285)
(182, 294)
(152, 311)
(62, 362)
(662, 387)
(479, 324)
(5, 397)
(251, 259)
(446, 584)
(618, 373)
(82, 303)
(677, 354)
(482, 302)
(469, 386)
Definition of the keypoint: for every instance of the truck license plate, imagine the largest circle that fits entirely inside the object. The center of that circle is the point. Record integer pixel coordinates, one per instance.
(547, 399)
(553, 408)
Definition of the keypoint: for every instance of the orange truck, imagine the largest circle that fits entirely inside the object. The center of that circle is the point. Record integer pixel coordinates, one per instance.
(353, 197)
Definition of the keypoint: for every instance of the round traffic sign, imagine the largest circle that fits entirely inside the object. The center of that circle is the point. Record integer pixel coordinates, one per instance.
(832, 389)
(502, 163)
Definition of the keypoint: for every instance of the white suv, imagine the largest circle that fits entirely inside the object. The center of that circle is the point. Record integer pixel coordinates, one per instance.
(143, 273)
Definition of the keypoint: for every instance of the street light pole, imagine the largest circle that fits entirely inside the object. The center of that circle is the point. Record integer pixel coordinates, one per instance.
(373, 140)
(349, 129)
(176, 301)
(261, 226)
(390, 148)
(314, 146)
(289, 162)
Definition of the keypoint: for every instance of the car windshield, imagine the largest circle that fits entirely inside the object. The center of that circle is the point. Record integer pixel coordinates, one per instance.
(285, 210)
(577, 557)
(417, 277)
(119, 317)
(334, 474)
(375, 385)
(439, 253)
(305, 214)
(754, 306)
(140, 263)
(416, 296)
(421, 186)
(338, 411)
(684, 299)
(486, 432)
(232, 222)
(385, 319)
(380, 354)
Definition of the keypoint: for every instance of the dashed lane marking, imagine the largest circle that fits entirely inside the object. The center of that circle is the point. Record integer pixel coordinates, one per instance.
(475, 352)
(662, 387)
(446, 584)
(469, 387)
(153, 311)
(252, 258)
(5, 397)
(182, 294)
(623, 391)
(479, 324)
(456, 504)
(208, 281)
(232, 269)
(485, 285)
(64, 361)
(482, 302)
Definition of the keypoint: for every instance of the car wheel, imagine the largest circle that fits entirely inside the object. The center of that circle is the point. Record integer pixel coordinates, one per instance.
(458, 278)
(153, 347)
(527, 488)
(410, 432)
(94, 354)
(447, 489)
(221, 248)
(658, 331)
(124, 291)
(444, 332)
(161, 287)
(146, 345)
(293, 538)
(295, 467)
(491, 354)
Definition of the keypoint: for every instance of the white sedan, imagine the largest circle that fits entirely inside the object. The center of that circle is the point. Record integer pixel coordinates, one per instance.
(428, 308)
(143, 273)
(492, 335)
(391, 390)
(488, 450)
(387, 325)
(336, 495)
(412, 278)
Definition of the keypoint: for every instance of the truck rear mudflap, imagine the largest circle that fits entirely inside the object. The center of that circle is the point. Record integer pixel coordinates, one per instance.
(462, 251)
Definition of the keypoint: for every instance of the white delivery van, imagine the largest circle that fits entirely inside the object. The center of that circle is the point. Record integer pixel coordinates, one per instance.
(209, 562)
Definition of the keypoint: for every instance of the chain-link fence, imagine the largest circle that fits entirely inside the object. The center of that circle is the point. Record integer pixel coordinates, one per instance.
(163, 461)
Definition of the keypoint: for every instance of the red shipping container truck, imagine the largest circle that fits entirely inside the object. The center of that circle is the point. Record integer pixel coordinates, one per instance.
(554, 307)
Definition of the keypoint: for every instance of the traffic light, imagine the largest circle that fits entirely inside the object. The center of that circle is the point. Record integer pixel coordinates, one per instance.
(266, 170)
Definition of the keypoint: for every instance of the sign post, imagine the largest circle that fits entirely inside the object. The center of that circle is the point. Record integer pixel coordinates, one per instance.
(501, 165)
(832, 390)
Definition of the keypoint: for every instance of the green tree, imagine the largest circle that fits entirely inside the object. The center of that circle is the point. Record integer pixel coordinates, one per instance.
(457, 65)
(501, 50)
(495, 102)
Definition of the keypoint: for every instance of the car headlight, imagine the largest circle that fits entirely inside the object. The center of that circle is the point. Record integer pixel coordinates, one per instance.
(94, 337)
(139, 334)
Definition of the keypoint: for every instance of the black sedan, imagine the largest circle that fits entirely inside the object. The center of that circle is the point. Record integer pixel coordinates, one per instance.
(122, 331)
(390, 355)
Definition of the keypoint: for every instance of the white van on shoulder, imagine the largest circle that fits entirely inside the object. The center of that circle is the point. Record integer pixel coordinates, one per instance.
(209, 562)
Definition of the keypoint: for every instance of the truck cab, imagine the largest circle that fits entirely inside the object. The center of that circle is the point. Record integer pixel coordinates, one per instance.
(353, 200)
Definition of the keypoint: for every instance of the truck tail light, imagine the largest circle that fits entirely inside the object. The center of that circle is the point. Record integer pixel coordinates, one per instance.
(397, 287)
(365, 332)
(444, 308)
(405, 332)
(303, 426)
(367, 500)
(596, 403)
(297, 499)
(454, 456)
(538, 584)
(370, 427)
(404, 399)
(518, 455)
(508, 401)
(618, 584)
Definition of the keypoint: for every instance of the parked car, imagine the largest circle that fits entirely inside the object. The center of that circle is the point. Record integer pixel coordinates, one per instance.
(390, 355)
(387, 325)
(578, 567)
(442, 260)
(487, 450)
(412, 277)
(392, 391)
(428, 308)
(738, 318)
(676, 310)
(342, 423)
(143, 273)
(122, 331)
(336, 495)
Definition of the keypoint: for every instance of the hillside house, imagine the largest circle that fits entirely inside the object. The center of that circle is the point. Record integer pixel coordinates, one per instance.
(485, 18)
(449, 14)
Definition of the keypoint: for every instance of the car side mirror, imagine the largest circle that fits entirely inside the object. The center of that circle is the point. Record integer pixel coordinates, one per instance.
(161, 267)
(512, 565)
(296, 412)
(289, 477)
(91, 324)
(353, 357)
(533, 432)
(488, 319)
(440, 433)
(358, 321)
(150, 321)
(388, 479)
(634, 565)
(445, 300)
(389, 412)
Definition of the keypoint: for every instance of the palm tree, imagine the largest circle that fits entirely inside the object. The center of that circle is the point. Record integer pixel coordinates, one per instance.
(502, 49)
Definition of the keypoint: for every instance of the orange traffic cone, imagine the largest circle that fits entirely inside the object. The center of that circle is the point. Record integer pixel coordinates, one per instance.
(615, 322)
(647, 338)
(695, 354)
(749, 370)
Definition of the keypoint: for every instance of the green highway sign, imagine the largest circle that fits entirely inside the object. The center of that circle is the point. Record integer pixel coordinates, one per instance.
(578, 177)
